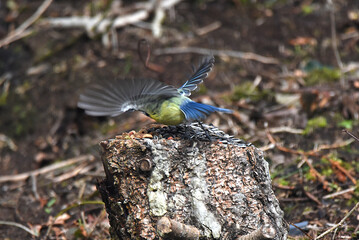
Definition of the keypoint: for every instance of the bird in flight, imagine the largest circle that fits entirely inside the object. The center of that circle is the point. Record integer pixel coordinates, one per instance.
(163, 103)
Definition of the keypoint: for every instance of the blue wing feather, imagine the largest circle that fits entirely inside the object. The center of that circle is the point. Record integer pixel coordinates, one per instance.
(197, 77)
(197, 111)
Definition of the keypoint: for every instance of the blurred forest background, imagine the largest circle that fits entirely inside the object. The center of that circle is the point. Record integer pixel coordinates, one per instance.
(289, 69)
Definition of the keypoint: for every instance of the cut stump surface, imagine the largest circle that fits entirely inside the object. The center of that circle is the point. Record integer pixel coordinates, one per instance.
(161, 185)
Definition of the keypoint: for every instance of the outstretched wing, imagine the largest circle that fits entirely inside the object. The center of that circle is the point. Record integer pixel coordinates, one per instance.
(198, 76)
(111, 98)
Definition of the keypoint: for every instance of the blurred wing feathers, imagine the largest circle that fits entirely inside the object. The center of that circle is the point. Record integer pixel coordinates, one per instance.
(111, 98)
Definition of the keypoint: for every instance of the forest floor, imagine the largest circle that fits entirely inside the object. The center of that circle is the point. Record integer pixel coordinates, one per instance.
(292, 100)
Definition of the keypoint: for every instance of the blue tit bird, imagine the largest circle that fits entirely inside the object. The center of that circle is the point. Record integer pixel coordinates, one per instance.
(163, 103)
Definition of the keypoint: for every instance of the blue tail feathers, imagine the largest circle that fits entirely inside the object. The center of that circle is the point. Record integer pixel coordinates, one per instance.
(197, 111)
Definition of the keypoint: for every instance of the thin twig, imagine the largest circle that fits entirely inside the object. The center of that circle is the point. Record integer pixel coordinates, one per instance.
(312, 197)
(209, 28)
(351, 134)
(281, 148)
(146, 62)
(267, 147)
(73, 173)
(100, 23)
(97, 24)
(25, 175)
(314, 152)
(283, 187)
(20, 31)
(285, 129)
(8, 141)
(206, 51)
(157, 20)
(292, 199)
(334, 38)
(332, 146)
(340, 223)
(20, 226)
(301, 230)
(34, 186)
(336, 194)
(343, 170)
(334, 34)
(317, 174)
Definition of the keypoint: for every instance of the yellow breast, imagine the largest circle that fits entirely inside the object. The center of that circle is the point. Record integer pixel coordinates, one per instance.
(169, 113)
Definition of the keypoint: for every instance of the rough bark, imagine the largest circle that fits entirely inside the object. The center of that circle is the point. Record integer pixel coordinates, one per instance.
(162, 185)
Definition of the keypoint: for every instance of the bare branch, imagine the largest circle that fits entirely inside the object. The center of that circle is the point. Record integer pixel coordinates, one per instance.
(25, 175)
(334, 39)
(20, 226)
(21, 32)
(340, 223)
(228, 53)
(334, 34)
(339, 193)
(100, 24)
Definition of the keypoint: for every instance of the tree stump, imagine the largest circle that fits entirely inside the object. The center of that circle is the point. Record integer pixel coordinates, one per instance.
(172, 183)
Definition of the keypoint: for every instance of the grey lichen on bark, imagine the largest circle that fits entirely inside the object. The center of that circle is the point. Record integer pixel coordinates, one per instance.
(216, 190)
